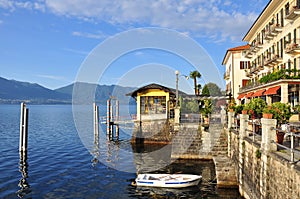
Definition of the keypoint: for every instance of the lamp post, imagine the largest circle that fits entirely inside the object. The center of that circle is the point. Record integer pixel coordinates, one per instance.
(177, 74)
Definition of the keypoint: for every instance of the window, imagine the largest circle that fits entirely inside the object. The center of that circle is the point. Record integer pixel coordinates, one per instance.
(287, 9)
(153, 104)
(281, 17)
(244, 64)
(295, 36)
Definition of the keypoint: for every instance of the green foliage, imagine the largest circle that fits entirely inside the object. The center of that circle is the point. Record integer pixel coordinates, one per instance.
(231, 104)
(258, 153)
(211, 89)
(238, 109)
(207, 107)
(281, 74)
(281, 112)
(255, 107)
(205, 91)
(189, 106)
(193, 106)
(194, 75)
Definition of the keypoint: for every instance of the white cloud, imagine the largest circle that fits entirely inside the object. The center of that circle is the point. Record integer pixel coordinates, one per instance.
(224, 19)
(51, 77)
(98, 35)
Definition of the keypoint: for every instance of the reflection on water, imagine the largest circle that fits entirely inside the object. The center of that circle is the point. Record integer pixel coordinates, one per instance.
(23, 168)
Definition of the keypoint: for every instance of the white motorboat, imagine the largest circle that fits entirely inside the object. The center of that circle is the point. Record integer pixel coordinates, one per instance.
(167, 180)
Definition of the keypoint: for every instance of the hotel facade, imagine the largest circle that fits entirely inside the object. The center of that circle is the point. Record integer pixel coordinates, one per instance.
(272, 71)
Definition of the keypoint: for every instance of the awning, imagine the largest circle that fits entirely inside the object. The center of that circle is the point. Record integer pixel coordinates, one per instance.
(259, 93)
(249, 95)
(241, 96)
(272, 91)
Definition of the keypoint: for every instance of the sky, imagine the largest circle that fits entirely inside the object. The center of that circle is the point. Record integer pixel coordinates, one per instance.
(49, 42)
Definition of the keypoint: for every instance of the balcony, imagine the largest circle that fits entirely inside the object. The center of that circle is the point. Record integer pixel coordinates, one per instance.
(273, 60)
(293, 48)
(249, 53)
(226, 75)
(275, 29)
(248, 73)
(269, 35)
(293, 12)
(257, 46)
(254, 70)
(283, 74)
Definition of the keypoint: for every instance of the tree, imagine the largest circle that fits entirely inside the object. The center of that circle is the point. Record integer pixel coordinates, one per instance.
(211, 89)
(195, 74)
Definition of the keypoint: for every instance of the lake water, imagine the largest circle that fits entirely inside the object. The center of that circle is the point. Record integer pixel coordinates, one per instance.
(59, 166)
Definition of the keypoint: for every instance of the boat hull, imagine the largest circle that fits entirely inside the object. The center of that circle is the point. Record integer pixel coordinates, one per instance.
(168, 180)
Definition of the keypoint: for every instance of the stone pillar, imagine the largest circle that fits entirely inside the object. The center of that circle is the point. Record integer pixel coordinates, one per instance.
(268, 135)
(242, 134)
(223, 115)
(284, 93)
(243, 125)
(230, 119)
(269, 99)
(177, 115)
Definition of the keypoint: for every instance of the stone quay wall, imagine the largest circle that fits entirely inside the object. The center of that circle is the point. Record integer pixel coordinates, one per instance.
(152, 132)
(263, 172)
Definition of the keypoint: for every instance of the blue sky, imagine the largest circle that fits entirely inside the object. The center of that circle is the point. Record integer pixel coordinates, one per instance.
(47, 41)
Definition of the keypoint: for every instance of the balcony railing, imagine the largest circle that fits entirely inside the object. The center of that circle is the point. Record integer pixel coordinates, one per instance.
(293, 12)
(273, 59)
(278, 75)
(275, 29)
(293, 47)
(226, 75)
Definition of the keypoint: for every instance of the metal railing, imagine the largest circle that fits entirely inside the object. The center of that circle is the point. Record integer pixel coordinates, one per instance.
(256, 124)
(293, 135)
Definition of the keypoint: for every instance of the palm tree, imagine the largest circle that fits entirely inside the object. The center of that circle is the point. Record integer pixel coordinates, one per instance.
(195, 74)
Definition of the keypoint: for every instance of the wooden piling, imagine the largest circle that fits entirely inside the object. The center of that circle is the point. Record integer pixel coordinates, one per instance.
(117, 118)
(96, 123)
(23, 128)
(111, 122)
(108, 129)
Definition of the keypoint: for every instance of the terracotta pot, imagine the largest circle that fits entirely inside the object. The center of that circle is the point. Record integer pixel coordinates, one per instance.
(244, 112)
(267, 115)
(231, 110)
(279, 137)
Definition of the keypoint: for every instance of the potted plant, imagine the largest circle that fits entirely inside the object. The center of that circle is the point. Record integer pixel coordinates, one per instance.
(206, 110)
(239, 108)
(255, 107)
(268, 112)
(282, 113)
(231, 105)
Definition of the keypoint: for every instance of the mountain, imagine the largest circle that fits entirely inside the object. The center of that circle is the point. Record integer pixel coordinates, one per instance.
(102, 92)
(12, 91)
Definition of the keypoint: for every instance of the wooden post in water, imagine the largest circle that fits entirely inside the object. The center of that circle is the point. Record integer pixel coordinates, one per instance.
(117, 118)
(96, 123)
(108, 132)
(111, 122)
(23, 128)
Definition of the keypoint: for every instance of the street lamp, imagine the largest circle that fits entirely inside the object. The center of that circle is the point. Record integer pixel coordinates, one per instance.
(177, 74)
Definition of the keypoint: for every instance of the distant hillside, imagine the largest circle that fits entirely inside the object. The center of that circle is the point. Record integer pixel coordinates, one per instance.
(102, 93)
(12, 91)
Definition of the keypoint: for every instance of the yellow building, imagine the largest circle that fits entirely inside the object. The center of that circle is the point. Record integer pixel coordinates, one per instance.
(154, 102)
(274, 54)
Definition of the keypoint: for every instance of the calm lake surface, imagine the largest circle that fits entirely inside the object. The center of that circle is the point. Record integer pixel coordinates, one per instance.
(59, 166)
